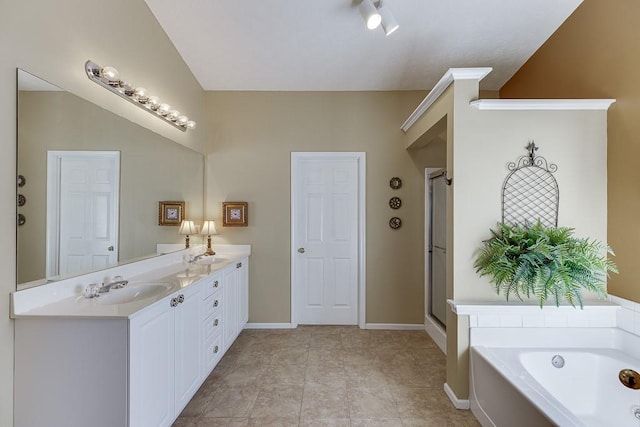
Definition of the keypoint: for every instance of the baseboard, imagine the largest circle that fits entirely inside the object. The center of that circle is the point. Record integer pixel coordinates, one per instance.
(394, 326)
(436, 332)
(269, 326)
(458, 403)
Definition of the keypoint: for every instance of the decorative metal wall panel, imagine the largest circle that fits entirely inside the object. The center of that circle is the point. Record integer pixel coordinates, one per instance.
(530, 192)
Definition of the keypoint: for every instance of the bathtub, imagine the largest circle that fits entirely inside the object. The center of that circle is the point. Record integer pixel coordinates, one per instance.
(553, 376)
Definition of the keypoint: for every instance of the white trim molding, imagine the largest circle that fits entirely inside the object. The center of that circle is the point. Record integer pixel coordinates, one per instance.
(458, 403)
(436, 332)
(452, 74)
(269, 326)
(542, 104)
(395, 326)
(361, 156)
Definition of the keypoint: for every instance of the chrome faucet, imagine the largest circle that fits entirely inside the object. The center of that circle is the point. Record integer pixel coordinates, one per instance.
(117, 283)
(193, 258)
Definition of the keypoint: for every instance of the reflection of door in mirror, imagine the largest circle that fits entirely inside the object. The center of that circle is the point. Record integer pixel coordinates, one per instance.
(82, 210)
(152, 168)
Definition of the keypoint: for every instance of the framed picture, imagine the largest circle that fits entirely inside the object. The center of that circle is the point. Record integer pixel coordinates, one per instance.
(170, 213)
(234, 214)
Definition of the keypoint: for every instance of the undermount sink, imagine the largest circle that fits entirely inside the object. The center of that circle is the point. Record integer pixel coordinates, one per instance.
(208, 260)
(134, 292)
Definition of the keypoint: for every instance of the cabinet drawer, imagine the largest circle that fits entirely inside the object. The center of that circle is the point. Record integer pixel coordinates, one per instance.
(211, 304)
(212, 285)
(212, 325)
(212, 353)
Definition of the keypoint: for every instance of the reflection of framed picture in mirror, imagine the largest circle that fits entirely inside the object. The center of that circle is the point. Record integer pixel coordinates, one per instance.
(234, 214)
(170, 213)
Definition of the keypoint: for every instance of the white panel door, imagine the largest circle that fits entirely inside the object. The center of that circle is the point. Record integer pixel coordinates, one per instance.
(85, 213)
(325, 205)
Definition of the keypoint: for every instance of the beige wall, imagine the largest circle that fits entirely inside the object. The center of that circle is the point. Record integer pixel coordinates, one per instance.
(53, 40)
(479, 146)
(253, 134)
(63, 121)
(593, 55)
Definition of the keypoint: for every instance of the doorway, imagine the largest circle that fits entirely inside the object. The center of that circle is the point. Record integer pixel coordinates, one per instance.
(435, 251)
(82, 210)
(327, 238)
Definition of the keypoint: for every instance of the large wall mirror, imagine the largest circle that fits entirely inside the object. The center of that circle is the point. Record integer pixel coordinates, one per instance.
(89, 185)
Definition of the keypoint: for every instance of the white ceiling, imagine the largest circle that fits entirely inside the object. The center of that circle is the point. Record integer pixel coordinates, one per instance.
(324, 45)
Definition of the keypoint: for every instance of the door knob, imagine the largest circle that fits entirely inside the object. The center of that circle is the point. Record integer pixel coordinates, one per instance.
(110, 248)
(301, 250)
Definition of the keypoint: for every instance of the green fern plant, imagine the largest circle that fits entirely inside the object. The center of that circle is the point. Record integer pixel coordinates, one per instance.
(544, 262)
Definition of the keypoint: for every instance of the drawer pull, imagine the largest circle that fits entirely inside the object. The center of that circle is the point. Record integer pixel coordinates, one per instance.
(215, 349)
(216, 284)
(174, 302)
(238, 265)
(216, 303)
(215, 322)
(180, 298)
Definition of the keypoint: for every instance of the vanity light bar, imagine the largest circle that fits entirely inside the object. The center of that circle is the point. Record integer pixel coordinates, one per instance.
(108, 78)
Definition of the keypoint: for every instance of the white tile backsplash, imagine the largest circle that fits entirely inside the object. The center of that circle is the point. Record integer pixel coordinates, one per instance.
(594, 314)
(488, 321)
(625, 319)
(636, 323)
(511, 321)
(628, 317)
(534, 320)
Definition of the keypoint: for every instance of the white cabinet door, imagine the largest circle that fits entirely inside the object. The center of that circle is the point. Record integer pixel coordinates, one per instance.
(243, 286)
(188, 323)
(230, 305)
(151, 367)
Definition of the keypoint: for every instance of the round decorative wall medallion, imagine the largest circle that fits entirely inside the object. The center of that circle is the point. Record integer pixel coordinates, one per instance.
(395, 223)
(21, 200)
(21, 219)
(21, 180)
(395, 183)
(395, 202)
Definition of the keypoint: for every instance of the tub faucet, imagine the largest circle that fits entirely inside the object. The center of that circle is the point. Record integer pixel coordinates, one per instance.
(117, 283)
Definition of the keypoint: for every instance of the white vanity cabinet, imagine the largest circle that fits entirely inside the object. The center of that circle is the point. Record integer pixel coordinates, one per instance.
(212, 323)
(164, 358)
(133, 369)
(236, 291)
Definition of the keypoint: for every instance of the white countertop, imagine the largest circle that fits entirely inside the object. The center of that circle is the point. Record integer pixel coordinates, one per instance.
(66, 299)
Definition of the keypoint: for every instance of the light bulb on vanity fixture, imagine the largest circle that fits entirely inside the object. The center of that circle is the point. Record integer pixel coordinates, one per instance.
(187, 228)
(209, 229)
(164, 109)
(109, 78)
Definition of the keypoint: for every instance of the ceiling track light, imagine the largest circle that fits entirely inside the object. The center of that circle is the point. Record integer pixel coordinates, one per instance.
(376, 13)
(370, 14)
(108, 78)
(389, 23)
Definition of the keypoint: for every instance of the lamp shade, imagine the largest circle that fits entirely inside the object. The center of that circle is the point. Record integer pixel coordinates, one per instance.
(208, 228)
(187, 227)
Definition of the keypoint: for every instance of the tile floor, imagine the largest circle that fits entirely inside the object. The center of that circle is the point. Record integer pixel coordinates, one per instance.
(327, 376)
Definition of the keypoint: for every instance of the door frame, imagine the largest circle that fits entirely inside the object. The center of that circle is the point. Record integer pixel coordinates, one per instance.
(361, 158)
(54, 171)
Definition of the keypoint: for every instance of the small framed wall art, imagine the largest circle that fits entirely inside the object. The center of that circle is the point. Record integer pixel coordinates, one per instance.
(234, 214)
(170, 213)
